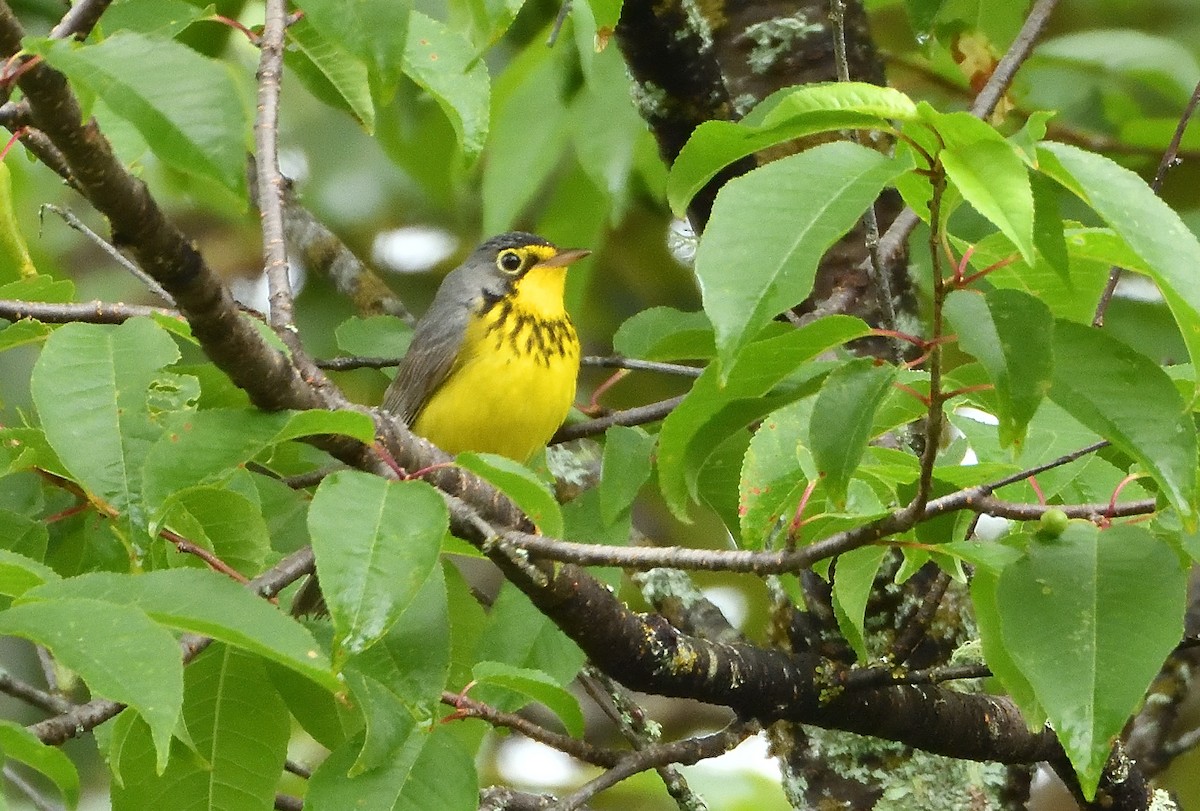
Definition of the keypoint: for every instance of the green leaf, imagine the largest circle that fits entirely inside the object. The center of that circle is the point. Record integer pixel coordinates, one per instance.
(802, 111)
(842, 419)
(103, 431)
(206, 603)
(521, 485)
(163, 19)
(772, 479)
(238, 727)
(224, 522)
(510, 179)
(116, 649)
(408, 668)
(373, 557)
(853, 579)
(993, 179)
(1089, 619)
(194, 121)
(1149, 226)
(432, 769)
(18, 573)
(445, 64)
(206, 447)
(1126, 398)
(1007, 331)
(22, 746)
(518, 634)
(329, 72)
(625, 468)
(760, 252)
(768, 375)
(374, 32)
(379, 336)
(15, 262)
(537, 686)
(995, 649)
(23, 333)
(664, 333)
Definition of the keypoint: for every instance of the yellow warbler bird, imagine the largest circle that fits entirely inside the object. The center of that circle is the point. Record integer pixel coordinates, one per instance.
(493, 363)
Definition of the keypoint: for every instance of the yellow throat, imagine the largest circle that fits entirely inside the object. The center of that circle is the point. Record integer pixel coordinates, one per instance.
(513, 380)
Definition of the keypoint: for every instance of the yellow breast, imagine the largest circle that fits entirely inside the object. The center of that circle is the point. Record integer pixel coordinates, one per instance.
(512, 384)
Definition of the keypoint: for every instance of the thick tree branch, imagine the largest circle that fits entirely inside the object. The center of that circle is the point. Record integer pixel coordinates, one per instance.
(158, 246)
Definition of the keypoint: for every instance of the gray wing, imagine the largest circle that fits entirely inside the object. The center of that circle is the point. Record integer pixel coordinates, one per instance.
(432, 354)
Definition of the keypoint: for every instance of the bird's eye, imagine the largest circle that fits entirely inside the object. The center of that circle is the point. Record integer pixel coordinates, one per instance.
(509, 261)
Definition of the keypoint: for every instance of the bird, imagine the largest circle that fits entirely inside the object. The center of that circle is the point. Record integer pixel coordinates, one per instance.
(493, 363)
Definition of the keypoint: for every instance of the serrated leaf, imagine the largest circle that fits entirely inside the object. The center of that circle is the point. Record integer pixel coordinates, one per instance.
(373, 32)
(1089, 618)
(18, 573)
(664, 333)
(432, 769)
(853, 579)
(518, 634)
(22, 333)
(510, 180)
(842, 418)
(374, 557)
(194, 121)
(206, 603)
(769, 374)
(625, 468)
(772, 479)
(205, 447)
(238, 729)
(336, 77)
(224, 522)
(164, 18)
(1126, 398)
(380, 336)
(21, 745)
(521, 485)
(116, 649)
(407, 668)
(1152, 230)
(993, 179)
(1007, 331)
(806, 110)
(103, 431)
(759, 253)
(537, 686)
(445, 64)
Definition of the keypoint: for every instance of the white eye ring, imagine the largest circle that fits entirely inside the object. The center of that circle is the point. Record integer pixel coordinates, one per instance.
(509, 261)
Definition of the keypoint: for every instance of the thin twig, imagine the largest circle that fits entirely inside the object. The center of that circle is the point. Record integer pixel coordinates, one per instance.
(93, 312)
(635, 727)
(347, 364)
(892, 242)
(1169, 158)
(26, 692)
(268, 180)
(881, 279)
(287, 802)
(298, 769)
(620, 362)
(80, 20)
(35, 797)
(633, 416)
(466, 707)
(685, 752)
(142, 276)
(81, 718)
